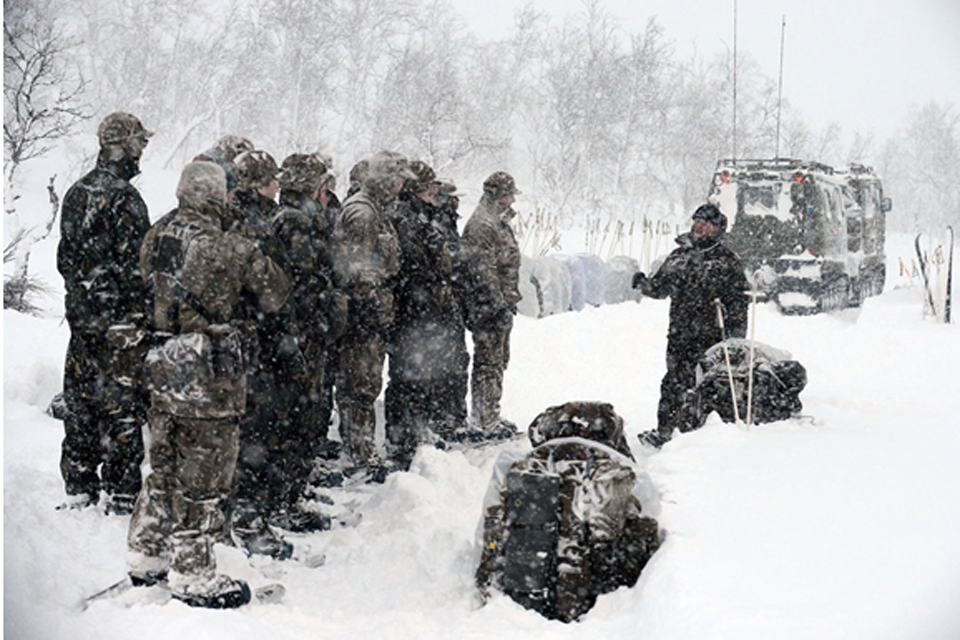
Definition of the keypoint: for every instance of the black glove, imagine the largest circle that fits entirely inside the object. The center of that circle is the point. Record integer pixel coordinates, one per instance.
(638, 280)
(503, 320)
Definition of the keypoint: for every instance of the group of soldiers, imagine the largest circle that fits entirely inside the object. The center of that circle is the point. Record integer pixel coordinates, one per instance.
(254, 317)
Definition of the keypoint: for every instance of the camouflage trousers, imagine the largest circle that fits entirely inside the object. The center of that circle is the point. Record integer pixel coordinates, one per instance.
(178, 512)
(491, 354)
(102, 424)
(274, 461)
(359, 380)
(426, 395)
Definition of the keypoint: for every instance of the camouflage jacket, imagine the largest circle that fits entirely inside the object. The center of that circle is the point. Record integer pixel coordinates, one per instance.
(102, 225)
(300, 227)
(694, 276)
(250, 215)
(423, 288)
(492, 255)
(367, 259)
(207, 271)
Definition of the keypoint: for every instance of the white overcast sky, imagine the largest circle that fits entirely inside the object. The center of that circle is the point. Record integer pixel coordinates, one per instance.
(860, 63)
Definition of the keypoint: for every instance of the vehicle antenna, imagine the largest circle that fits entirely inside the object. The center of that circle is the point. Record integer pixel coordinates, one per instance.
(783, 31)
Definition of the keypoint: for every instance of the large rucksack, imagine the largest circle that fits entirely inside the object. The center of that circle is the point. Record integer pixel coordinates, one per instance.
(196, 374)
(777, 382)
(568, 524)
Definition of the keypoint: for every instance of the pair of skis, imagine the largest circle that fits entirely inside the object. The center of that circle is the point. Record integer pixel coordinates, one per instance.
(924, 271)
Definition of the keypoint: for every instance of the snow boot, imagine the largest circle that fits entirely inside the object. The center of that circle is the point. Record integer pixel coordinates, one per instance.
(119, 504)
(653, 439)
(298, 520)
(147, 578)
(223, 592)
(79, 501)
(256, 537)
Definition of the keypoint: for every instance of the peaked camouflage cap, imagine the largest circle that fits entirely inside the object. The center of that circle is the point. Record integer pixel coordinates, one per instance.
(425, 177)
(447, 188)
(358, 174)
(119, 127)
(256, 169)
(232, 146)
(386, 164)
(500, 184)
(301, 172)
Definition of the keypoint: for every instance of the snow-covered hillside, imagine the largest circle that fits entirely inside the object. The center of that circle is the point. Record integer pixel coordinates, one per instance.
(843, 524)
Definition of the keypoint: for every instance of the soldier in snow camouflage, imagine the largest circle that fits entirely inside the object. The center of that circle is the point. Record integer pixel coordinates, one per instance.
(103, 221)
(368, 260)
(421, 344)
(198, 388)
(493, 258)
(270, 399)
(301, 228)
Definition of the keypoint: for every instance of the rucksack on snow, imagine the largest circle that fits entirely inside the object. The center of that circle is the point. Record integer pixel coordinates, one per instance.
(570, 520)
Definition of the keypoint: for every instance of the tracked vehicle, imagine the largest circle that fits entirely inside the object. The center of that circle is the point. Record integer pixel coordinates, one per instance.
(811, 236)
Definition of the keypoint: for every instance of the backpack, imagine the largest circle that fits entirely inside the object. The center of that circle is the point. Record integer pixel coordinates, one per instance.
(777, 382)
(568, 526)
(195, 374)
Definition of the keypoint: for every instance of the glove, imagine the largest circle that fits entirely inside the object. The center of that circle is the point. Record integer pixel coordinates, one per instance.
(503, 320)
(638, 280)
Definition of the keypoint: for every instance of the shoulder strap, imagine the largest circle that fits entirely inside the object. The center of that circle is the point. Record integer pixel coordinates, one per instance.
(169, 255)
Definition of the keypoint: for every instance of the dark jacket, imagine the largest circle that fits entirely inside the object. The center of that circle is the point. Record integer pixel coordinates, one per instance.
(694, 276)
(102, 225)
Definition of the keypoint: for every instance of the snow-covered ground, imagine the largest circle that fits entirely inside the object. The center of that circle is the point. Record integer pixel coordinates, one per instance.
(844, 524)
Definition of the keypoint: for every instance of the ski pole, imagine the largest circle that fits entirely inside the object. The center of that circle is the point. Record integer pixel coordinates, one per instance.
(726, 357)
(753, 325)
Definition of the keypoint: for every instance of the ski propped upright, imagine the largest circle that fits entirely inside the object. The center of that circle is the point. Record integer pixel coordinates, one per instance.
(949, 296)
(923, 272)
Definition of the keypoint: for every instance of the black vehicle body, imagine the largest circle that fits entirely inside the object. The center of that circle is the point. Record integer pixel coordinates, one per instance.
(811, 235)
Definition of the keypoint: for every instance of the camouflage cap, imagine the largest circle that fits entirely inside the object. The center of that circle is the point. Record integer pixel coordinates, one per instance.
(256, 169)
(325, 159)
(202, 182)
(500, 184)
(232, 146)
(328, 181)
(358, 174)
(447, 188)
(425, 177)
(119, 127)
(301, 172)
(386, 164)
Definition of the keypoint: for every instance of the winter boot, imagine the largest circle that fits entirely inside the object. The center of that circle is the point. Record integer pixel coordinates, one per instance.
(256, 537)
(653, 439)
(147, 578)
(296, 519)
(119, 504)
(222, 592)
(80, 501)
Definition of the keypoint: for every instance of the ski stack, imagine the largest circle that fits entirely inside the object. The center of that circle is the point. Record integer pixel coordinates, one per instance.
(936, 269)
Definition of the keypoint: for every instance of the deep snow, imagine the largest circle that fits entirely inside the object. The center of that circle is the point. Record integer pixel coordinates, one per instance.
(844, 524)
